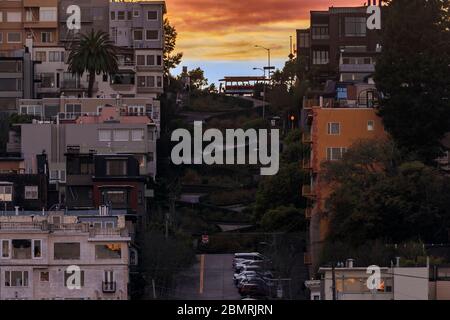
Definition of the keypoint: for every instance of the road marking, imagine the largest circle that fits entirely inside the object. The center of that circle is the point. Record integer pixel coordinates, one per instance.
(202, 273)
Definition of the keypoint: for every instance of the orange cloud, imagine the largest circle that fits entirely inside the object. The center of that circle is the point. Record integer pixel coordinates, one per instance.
(229, 29)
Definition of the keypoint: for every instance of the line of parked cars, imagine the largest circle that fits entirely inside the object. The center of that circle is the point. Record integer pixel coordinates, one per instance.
(252, 276)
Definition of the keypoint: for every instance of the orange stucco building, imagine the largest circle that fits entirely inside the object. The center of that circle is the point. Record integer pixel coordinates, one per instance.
(331, 131)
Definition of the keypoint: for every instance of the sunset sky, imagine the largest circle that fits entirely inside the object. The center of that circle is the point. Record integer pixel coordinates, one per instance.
(219, 35)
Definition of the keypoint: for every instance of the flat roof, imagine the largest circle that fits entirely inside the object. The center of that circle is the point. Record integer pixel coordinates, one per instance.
(243, 78)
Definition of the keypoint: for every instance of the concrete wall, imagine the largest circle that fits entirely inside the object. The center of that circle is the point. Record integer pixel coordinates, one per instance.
(410, 283)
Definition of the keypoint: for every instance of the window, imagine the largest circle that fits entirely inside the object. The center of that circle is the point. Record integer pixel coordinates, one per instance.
(115, 198)
(355, 26)
(47, 80)
(140, 60)
(159, 60)
(129, 15)
(44, 276)
(151, 157)
(116, 167)
(136, 13)
(320, 57)
(14, 16)
(6, 193)
(14, 37)
(152, 15)
(304, 40)
(121, 135)
(108, 251)
(5, 249)
(73, 108)
(121, 15)
(1, 37)
(320, 32)
(152, 34)
(37, 249)
(47, 14)
(68, 274)
(113, 15)
(1, 16)
(16, 278)
(56, 56)
(335, 153)
(137, 135)
(150, 81)
(41, 56)
(159, 81)
(21, 249)
(370, 125)
(31, 192)
(150, 60)
(46, 37)
(141, 82)
(334, 128)
(138, 35)
(104, 135)
(67, 251)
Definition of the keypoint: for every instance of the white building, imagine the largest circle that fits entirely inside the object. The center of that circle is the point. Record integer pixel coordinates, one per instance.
(350, 283)
(63, 257)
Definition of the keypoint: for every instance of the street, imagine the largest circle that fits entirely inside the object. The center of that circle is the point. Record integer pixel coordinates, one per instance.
(210, 278)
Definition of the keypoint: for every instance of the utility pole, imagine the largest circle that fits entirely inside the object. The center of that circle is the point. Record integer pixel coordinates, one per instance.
(333, 279)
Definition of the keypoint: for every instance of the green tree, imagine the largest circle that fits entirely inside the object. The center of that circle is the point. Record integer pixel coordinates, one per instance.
(379, 195)
(275, 220)
(413, 74)
(171, 60)
(95, 54)
(198, 80)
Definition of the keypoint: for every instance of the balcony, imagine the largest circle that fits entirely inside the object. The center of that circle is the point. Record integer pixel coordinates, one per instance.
(109, 287)
(358, 68)
(307, 137)
(308, 213)
(308, 191)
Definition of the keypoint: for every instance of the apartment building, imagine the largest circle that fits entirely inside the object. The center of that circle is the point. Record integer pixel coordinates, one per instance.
(12, 35)
(339, 45)
(94, 16)
(108, 130)
(350, 283)
(57, 256)
(23, 20)
(16, 80)
(70, 108)
(112, 180)
(332, 126)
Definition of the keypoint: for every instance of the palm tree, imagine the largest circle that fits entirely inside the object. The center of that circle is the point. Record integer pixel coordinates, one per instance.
(95, 54)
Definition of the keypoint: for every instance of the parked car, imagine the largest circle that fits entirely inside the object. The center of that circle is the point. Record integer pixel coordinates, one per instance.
(240, 276)
(253, 290)
(253, 256)
(248, 263)
(256, 280)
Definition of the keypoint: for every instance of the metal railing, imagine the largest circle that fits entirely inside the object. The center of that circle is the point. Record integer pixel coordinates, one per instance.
(109, 287)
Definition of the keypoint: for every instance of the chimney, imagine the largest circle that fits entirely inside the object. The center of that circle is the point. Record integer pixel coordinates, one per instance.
(349, 263)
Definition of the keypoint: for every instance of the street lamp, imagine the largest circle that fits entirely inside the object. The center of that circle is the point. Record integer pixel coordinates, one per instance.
(268, 55)
(264, 92)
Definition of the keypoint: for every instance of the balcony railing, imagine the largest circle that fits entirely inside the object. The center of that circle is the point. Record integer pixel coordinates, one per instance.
(108, 232)
(109, 287)
(32, 226)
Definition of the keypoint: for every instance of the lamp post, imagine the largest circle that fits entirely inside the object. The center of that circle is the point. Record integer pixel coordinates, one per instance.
(264, 92)
(268, 55)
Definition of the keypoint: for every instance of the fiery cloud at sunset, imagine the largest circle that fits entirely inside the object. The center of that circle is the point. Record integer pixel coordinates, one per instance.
(229, 29)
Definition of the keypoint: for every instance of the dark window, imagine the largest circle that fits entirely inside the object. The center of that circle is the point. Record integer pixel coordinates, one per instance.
(67, 251)
(116, 167)
(152, 15)
(21, 249)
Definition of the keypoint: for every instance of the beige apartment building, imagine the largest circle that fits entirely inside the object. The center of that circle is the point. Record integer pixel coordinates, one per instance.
(56, 256)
